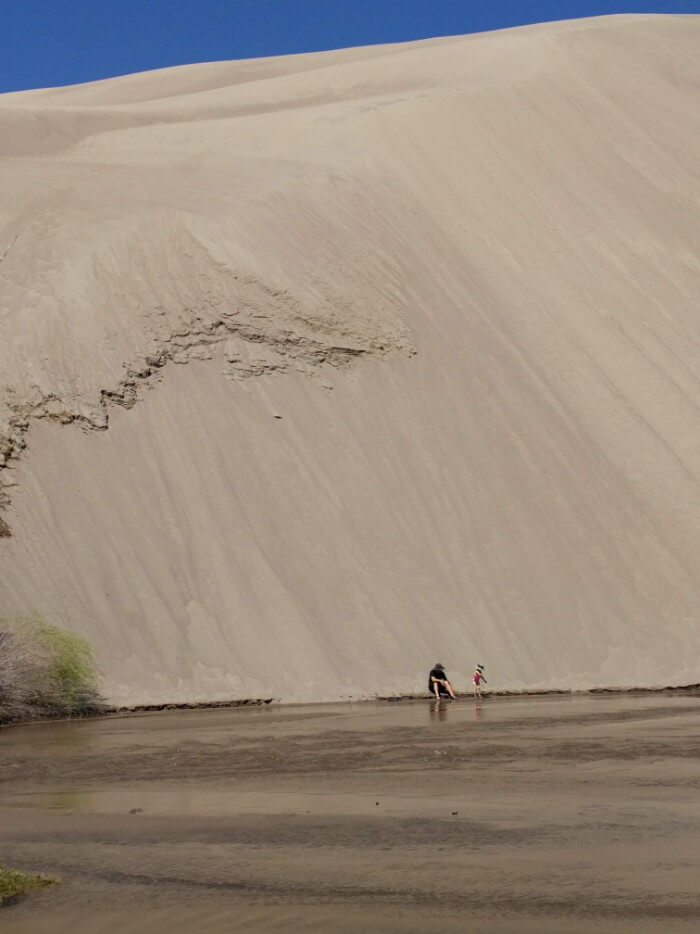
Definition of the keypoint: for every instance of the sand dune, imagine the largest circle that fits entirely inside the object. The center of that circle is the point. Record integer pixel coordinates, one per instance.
(437, 306)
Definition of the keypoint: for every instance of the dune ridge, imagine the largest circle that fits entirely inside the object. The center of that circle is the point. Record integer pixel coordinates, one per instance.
(437, 309)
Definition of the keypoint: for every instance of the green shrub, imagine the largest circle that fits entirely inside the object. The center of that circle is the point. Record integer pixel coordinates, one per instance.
(14, 884)
(45, 671)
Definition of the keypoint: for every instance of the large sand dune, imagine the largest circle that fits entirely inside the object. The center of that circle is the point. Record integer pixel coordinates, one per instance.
(438, 309)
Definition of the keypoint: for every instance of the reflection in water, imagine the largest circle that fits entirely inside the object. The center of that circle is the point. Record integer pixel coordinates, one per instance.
(71, 799)
(439, 708)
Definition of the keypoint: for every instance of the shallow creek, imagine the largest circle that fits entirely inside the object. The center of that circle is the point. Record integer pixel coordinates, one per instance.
(512, 814)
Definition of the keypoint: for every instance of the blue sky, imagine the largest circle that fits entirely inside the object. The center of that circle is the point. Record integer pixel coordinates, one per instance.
(51, 42)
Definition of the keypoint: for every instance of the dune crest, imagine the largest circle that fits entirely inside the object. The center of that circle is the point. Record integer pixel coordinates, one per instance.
(437, 306)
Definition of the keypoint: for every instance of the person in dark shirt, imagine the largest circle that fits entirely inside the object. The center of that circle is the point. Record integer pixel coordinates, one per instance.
(438, 683)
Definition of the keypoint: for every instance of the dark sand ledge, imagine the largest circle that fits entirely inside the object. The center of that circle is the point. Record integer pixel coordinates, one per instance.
(394, 698)
(690, 689)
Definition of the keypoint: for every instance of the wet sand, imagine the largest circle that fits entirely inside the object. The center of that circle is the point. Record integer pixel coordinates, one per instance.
(515, 814)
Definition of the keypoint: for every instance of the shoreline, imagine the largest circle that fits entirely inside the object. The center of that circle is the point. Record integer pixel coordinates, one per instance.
(112, 711)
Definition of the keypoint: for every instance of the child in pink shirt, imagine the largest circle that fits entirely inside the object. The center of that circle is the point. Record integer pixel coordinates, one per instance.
(477, 678)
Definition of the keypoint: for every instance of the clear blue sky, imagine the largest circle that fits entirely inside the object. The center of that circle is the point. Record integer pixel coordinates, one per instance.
(51, 42)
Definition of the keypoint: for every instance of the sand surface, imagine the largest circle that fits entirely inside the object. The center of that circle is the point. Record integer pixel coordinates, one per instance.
(436, 313)
(522, 815)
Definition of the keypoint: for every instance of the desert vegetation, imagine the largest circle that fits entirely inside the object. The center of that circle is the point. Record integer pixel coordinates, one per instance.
(45, 671)
(14, 884)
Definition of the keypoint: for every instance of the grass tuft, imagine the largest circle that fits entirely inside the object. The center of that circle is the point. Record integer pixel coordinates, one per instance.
(14, 884)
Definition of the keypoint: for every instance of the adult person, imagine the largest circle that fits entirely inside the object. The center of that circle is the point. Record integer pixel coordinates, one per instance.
(438, 683)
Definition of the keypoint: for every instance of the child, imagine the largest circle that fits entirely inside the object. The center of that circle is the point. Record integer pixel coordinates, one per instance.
(477, 679)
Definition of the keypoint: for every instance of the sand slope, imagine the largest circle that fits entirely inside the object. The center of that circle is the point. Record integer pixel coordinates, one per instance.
(438, 309)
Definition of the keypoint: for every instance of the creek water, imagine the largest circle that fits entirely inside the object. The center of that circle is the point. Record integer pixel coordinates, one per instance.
(510, 814)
